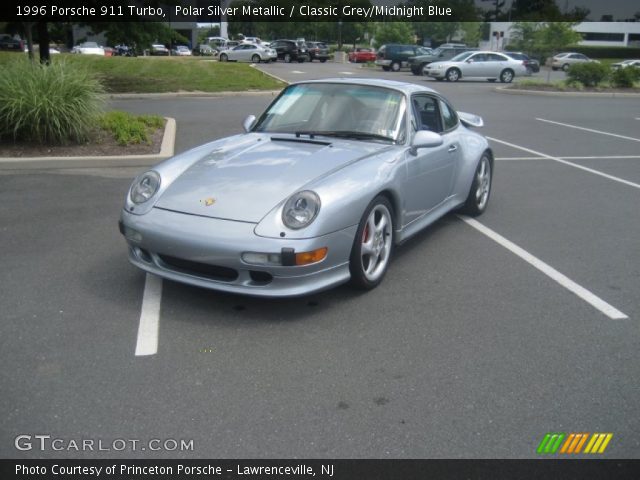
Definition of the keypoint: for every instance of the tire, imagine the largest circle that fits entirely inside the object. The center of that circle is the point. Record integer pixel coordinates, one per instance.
(452, 75)
(373, 245)
(287, 58)
(506, 76)
(480, 190)
(554, 68)
(416, 71)
(395, 67)
(224, 57)
(386, 69)
(322, 60)
(255, 59)
(565, 67)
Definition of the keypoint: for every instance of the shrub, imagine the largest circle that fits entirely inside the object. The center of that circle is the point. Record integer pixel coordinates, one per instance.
(589, 74)
(130, 129)
(625, 77)
(54, 104)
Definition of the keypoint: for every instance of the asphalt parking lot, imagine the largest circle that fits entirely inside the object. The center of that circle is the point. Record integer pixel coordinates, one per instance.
(483, 337)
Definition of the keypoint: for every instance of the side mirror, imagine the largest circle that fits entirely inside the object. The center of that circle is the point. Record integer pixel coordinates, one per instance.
(425, 139)
(248, 122)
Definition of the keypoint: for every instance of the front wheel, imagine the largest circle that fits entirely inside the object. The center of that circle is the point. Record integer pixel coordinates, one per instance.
(373, 245)
(386, 69)
(453, 75)
(223, 57)
(506, 76)
(565, 67)
(287, 58)
(255, 59)
(395, 67)
(480, 190)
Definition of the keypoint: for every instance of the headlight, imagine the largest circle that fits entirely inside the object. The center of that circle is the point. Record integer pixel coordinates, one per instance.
(301, 209)
(144, 187)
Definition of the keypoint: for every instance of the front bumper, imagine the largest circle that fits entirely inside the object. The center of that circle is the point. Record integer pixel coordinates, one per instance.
(434, 73)
(206, 252)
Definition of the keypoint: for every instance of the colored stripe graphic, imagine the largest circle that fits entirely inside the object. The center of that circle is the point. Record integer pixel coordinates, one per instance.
(573, 443)
(598, 443)
(550, 443)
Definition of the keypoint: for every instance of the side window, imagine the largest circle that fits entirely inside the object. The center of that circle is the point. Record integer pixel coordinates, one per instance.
(449, 117)
(493, 57)
(426, 113)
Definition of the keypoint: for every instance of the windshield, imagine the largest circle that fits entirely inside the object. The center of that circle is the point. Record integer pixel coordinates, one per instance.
(462, 56)
(358, 111)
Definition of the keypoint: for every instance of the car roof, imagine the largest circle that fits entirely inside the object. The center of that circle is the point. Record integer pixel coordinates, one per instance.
(404, 87)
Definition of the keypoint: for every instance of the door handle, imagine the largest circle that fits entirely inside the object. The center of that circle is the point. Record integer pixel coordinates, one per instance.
(452, 148)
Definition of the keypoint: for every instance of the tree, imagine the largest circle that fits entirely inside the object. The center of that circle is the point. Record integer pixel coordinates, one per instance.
(393, 32)
(471, 33)
(543, 39)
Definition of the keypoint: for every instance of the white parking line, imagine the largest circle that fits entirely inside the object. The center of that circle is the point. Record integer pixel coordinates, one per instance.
(600, 157)
(590, 130)
(149, 316)
(551, 272)
(586, 169)
(296, 71)
(345, 73)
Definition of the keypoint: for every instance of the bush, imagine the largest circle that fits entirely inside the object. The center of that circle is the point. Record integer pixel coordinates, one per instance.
(54, 104)
(625, 77)
(589, 74)
(130, 129)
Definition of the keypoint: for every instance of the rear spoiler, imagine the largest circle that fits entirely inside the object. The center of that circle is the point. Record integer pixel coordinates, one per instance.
(470, 120)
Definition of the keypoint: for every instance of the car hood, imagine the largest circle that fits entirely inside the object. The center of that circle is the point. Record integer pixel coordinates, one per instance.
(245, 178)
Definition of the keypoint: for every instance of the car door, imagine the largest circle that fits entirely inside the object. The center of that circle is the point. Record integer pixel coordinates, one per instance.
(430, 173)
(475, 65)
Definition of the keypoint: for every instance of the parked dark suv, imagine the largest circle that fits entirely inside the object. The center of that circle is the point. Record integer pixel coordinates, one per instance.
(291, 50)
(9, 43)
(417, 63)
(318, 51)
(395, 56)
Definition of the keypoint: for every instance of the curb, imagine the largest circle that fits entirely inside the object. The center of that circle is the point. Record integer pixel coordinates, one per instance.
(167, 149)
(514, 91)
(134, 96)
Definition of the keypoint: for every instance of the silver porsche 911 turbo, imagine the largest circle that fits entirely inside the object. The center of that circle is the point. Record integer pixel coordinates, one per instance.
(316, 192)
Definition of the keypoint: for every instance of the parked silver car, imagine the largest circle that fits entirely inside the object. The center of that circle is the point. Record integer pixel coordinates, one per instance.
(565, 60)
(318, 191)
(626, 64)
(248, 52)
(483, 64)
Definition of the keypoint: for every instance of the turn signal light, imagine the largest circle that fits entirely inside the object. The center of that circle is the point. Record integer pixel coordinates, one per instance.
(305, 258)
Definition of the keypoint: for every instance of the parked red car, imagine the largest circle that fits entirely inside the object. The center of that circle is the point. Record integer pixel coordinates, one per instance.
(362, 55)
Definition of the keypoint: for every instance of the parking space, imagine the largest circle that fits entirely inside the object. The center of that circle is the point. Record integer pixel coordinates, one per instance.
(466, 350)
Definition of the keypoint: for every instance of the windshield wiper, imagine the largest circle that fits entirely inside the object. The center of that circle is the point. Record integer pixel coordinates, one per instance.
(344, 134)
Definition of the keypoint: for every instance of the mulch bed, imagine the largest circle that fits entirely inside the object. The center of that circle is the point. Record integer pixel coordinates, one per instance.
(101, 144)
(553, 88)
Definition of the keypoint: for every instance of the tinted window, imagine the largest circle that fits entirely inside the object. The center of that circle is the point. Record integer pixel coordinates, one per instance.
(449, 117)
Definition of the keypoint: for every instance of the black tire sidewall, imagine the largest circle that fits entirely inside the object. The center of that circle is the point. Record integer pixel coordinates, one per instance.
(358, 278)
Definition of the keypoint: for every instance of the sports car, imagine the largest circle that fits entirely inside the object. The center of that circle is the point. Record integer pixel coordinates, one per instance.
(317, 191)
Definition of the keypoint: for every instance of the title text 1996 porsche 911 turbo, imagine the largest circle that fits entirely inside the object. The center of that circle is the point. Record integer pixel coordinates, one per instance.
(317, 191)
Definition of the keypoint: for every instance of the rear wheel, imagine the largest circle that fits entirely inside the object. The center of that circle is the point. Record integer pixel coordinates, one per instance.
(287, 58)
(480, 190)
(453, 75)
(395, 67)
(506, 76)
(373, 245)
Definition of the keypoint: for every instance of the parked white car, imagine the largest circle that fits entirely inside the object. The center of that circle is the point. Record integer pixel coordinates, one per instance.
(181, 51)
(482, 64)
(247, 52)
(88, 48)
